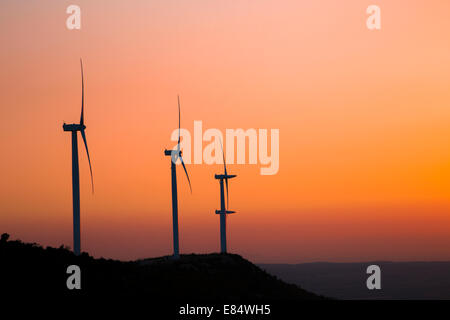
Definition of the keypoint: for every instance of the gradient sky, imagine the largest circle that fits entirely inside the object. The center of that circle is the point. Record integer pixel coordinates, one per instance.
(364, 119)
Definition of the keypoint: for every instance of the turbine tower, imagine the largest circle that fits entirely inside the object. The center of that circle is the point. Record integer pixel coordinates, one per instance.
(223, 209)
(74, 128)
(174, 155)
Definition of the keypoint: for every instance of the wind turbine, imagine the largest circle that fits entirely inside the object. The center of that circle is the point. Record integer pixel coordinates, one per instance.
(175, 154)
(223, 209)
(74, 128)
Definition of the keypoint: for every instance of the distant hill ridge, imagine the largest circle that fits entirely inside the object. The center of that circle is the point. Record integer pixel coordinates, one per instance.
(31, 269)
(399, 280)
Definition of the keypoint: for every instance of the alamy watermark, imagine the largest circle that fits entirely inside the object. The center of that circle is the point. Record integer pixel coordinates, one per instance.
(74, 280)
(374, 20)
(235, 145)
(74, 19)
(374, 281)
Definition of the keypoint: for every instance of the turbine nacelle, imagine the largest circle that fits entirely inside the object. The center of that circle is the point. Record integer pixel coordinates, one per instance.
(73, 127)
(224, 212)
(224, 176)
(170, 152)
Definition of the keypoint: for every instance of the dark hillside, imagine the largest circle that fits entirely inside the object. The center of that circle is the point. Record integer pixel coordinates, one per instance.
(29, 269)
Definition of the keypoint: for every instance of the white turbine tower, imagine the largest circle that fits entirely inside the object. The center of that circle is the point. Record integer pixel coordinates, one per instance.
(174, 155)
(74, 128)
(223, 209)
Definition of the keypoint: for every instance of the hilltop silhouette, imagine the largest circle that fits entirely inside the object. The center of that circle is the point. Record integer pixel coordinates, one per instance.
(27, 268)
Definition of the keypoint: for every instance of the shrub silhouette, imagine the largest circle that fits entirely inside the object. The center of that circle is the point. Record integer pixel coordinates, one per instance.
(4, 238)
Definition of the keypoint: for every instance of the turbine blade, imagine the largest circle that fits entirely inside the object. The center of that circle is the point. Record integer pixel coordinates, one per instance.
(225, 171)
(82, 94)
(226, 184)
(223, 155)
(174, 156)
(83, 135)
(226, 221)
(184, 167)
(179, 121)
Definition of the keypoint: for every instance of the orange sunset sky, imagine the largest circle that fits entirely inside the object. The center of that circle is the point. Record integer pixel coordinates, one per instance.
(364, 120)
